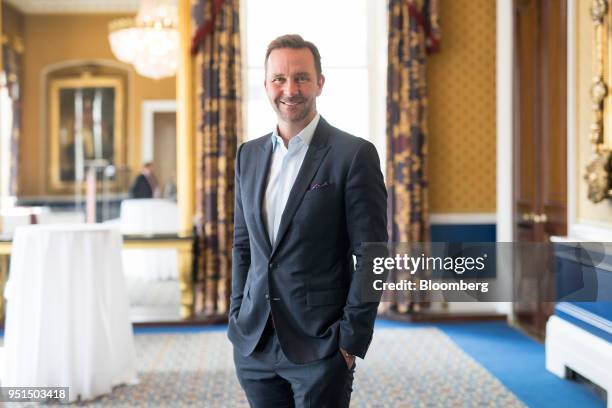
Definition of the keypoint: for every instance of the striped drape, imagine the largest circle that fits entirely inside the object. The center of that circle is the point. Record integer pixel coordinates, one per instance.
(218, 72)
(11, 79)
(413, 32)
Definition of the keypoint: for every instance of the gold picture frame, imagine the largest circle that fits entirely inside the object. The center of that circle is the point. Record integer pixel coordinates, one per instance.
(86, 126)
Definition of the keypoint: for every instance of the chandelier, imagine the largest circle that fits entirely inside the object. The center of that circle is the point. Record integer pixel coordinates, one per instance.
(150, 41)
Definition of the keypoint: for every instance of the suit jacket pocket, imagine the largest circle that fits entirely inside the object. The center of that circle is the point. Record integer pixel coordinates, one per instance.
(318, 207)
(323, 191)
(326, 297)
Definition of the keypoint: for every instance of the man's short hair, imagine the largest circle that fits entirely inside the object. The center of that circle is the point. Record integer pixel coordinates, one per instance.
(296, 42)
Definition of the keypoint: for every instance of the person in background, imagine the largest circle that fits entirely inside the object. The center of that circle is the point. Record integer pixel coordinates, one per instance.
(145, 184)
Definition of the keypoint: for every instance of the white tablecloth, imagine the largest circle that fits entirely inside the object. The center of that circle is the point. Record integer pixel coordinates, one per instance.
(11, 218)
(67, 320)
(149, 217)
(61, 217)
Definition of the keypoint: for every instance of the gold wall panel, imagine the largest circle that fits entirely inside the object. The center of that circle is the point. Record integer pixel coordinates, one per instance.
(51, 39)
(462, 134)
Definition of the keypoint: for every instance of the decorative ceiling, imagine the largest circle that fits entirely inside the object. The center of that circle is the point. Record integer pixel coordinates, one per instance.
(74, 6)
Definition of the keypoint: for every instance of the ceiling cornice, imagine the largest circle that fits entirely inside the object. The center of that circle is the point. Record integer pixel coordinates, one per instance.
(74, 6)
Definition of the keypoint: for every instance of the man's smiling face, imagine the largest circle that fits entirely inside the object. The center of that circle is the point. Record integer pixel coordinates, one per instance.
(292, 85)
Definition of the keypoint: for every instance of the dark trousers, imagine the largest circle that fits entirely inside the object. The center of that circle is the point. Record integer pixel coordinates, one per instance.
(269, 379)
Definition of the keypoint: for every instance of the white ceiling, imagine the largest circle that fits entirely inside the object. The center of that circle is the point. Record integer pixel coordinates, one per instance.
(75, 6)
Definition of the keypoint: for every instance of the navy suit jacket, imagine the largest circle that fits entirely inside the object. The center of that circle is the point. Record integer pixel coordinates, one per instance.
(141, 188)
(307, 280)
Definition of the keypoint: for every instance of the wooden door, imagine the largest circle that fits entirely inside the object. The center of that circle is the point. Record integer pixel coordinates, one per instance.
(539, 140)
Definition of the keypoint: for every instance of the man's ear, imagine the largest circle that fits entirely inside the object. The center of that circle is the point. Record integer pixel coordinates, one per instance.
(321, 82)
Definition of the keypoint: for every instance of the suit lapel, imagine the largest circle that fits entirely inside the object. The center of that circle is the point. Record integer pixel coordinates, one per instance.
(314, 156)
(261, 176)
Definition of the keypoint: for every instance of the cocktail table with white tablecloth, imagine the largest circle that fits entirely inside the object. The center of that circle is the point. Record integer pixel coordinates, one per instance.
(151, 216)
(67, 321)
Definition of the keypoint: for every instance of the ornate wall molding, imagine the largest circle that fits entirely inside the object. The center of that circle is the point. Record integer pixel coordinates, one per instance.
(599, 170)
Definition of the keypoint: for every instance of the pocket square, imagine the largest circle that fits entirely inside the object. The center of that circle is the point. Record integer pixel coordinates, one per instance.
(316, 186)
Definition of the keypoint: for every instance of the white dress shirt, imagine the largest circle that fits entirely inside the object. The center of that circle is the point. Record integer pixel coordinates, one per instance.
(284, 168)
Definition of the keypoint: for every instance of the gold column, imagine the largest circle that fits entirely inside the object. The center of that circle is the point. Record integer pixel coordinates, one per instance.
(185, 150)
(185, 121)
(185, 279)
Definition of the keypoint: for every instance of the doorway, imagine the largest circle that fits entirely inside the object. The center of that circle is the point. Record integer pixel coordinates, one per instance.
(540, 140)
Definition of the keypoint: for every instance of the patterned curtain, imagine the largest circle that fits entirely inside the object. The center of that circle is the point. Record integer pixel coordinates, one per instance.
(413, 32)
(11, 79)
(218, 72)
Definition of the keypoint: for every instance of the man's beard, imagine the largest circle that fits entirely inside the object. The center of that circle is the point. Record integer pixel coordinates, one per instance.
(306, 108)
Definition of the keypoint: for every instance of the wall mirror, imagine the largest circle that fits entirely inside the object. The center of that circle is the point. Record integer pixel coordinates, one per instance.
(84, 112)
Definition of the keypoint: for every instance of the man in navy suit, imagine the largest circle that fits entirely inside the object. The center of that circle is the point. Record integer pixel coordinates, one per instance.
(145, 184)
(308, 196)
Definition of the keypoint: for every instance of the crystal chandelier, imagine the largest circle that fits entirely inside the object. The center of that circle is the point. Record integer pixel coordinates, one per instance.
(150, 41)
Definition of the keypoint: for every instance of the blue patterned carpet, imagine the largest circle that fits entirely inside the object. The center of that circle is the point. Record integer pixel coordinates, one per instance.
(420, 367)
